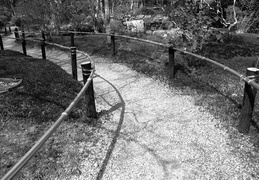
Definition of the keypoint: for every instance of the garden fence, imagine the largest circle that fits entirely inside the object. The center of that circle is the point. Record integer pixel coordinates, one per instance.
(88, 69)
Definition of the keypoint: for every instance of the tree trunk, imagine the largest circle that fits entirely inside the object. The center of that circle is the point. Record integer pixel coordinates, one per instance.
(107, 19)
(12, 7)
(246, 23)
(132, 5)
(103, 8)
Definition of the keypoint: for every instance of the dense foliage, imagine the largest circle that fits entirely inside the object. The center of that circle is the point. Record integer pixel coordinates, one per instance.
(193, 17)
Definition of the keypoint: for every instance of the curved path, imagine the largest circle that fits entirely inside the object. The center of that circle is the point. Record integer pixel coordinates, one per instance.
(157, 133)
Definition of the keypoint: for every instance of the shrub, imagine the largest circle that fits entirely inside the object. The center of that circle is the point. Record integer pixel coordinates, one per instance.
(1, 24)
(16, 21)
(145, 11)
(85, 28)
(117, 26)
(254, 28)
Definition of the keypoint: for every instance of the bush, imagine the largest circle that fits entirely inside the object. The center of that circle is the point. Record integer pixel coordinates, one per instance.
(16, 21)
(1, 24)
(117, 26)
(254, 28)
(145, 11)
(85, 28)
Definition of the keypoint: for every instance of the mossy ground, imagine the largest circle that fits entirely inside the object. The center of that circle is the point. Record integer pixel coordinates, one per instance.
(27, 111)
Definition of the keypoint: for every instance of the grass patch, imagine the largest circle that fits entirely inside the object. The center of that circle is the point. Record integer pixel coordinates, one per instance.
(45, 92)
(30, 109)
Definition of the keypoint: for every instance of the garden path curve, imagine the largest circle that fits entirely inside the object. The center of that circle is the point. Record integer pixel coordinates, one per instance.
(158, 133)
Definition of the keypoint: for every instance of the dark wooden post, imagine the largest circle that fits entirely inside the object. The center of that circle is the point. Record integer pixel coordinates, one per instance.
(171, 63)
(1, 43)
(248, 103)
(89, 93)
(113, 44)
(43, 35)
(74, 62)
(43, 44)
(72, 39)
(24, 43)
(16, 33)
(5, 30)
(73, 57)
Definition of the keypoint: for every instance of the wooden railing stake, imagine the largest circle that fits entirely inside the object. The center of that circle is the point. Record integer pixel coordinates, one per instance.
(43, 44)
(248, 103)
(16, 34)
(72, 39)
(73, 62)
(5, 31)
(1, 43)
(171, 63)
(73, 57)
(113, 44)
(89, 93)
(24, 43)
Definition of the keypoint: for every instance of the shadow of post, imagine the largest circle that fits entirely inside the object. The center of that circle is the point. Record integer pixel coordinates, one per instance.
(116, 133)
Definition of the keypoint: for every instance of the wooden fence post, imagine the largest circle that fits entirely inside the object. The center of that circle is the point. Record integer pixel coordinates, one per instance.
(72, 39)
(73, 57)
(73, 62)
(248, 103)
(43, 44)
(16, 33)
(24, 43)
(113, 44)
(171, 62)
(89, 93)
(1, 43)
(5, 30)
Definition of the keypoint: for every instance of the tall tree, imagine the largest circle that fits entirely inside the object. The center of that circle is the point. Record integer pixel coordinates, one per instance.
(107, 19)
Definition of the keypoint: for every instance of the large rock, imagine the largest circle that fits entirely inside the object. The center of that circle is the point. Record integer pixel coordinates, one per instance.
(135, 25)
(172, 33)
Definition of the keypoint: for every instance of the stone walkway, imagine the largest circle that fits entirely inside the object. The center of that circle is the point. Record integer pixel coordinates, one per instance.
(158, 133)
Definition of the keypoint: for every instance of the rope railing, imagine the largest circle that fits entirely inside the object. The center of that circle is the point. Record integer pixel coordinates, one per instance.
(21, 163)
(86, 33)
(225, 68)
(28, 32)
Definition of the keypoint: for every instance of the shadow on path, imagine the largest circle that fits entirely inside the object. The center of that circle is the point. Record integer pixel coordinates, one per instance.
(117, 132)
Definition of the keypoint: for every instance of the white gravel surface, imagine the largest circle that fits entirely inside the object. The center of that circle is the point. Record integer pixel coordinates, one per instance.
(155, 132)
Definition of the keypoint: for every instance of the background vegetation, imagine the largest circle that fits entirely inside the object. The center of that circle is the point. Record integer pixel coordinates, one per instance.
(193, 17)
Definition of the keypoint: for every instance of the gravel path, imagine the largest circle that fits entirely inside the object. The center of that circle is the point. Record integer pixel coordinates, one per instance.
(157, 133)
